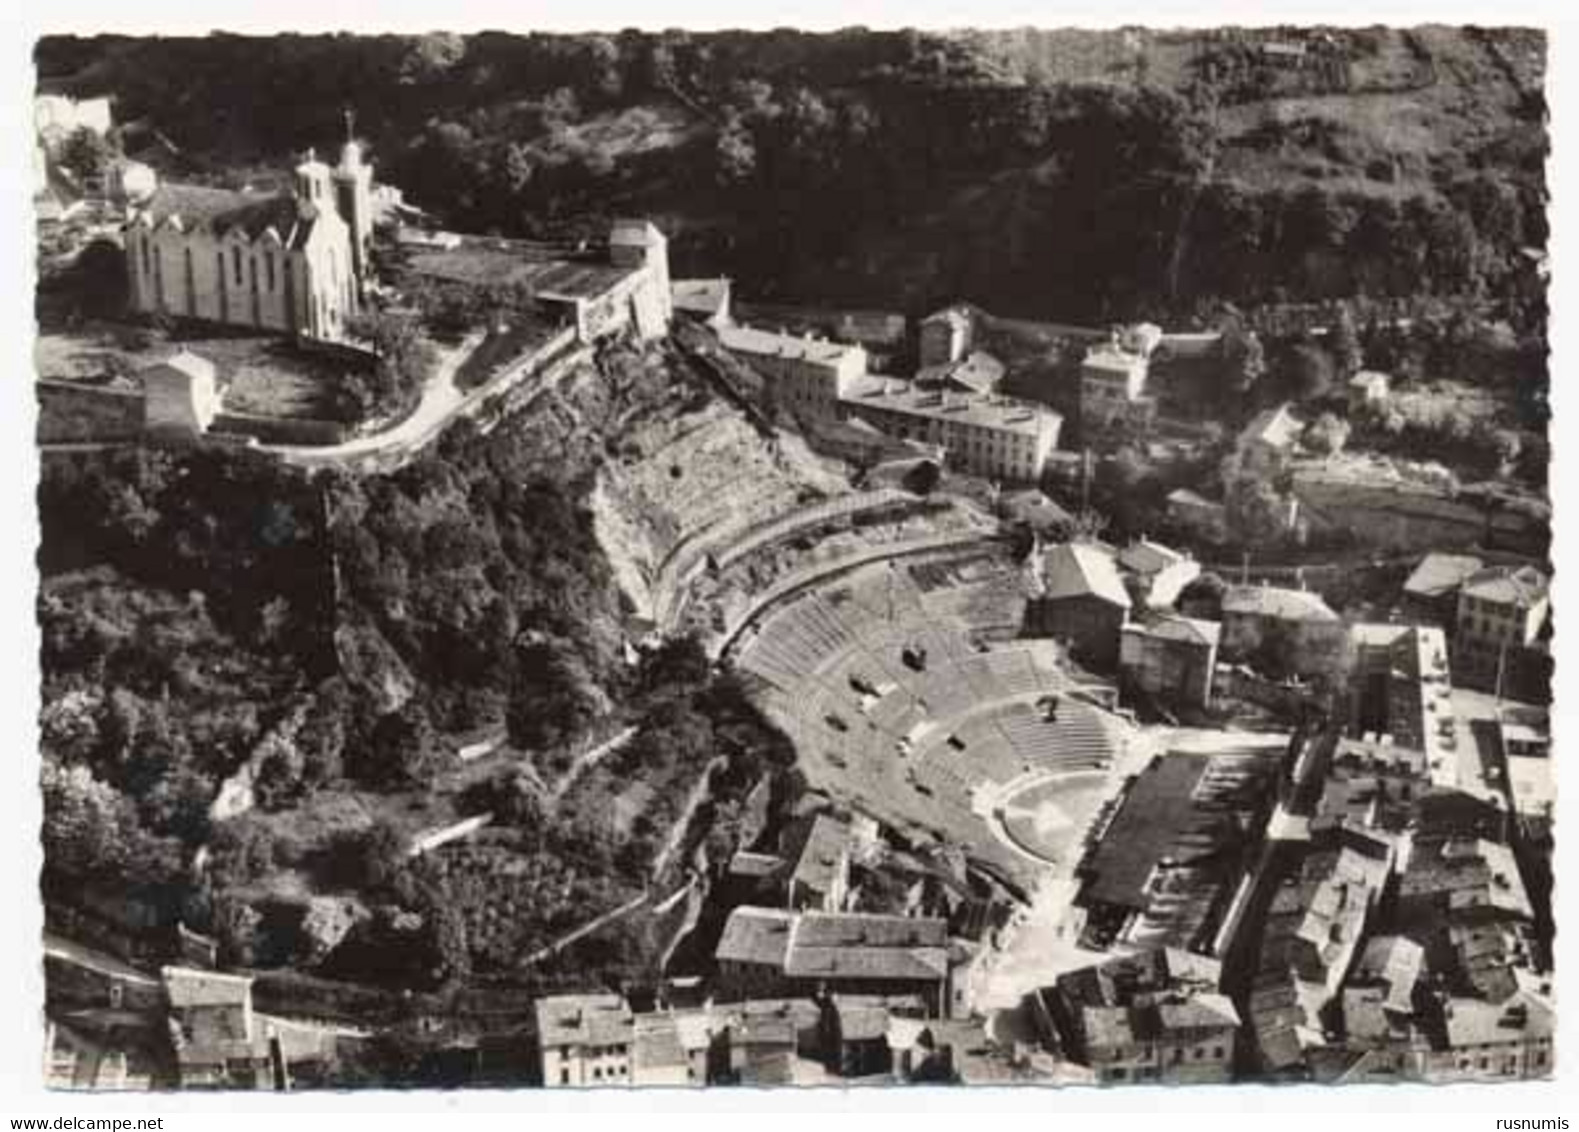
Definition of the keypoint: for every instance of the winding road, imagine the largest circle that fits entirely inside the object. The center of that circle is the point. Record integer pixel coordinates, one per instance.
(441, 397)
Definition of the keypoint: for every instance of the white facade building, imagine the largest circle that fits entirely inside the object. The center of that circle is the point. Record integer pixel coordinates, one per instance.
(809, 376)
(290, 263)
(984, 435)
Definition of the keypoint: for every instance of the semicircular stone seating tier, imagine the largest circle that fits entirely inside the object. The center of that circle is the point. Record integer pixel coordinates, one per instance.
(931, 740)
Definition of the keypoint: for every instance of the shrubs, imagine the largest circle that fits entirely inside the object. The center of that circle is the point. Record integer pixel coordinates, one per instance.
(379, 852)
(405, 751)
(1439, 429)
(242, 851)
(1327, 434)
(405, 358)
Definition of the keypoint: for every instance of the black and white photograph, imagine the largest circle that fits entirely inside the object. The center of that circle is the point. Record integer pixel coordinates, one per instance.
(884, 557)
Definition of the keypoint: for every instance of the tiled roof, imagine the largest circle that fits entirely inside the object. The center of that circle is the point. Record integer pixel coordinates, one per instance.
(1032, 505)
(837, 945)
(1198, 1012)
(1324, 909)
(1273, 601)
(763, 1027)
(1471, 1022)
(583, 1019)
(1077, 570)
(483, 263)
(1122, 980)
(1438, 574)
(832, 929)
(1343, 882)
(959, 407)
(756, 935)
(193, 365)
(876, 328)
(1370, 1018)
(705, 296)
(1377, 634)
(827, 840)
(1186, 630)
(1112, 361)
(219, 210)
(1522, 587)
(634, 231)
(1358, 799)
(188, 986)
(1277, 428)
(693, 1029)
(1490, 956)
(861, 1021)
(1396, 962)
(1284, 1010)
(1469, 872)
(801, 1013)
(1145, 557)
(748, 864)
(1108, 1027)
(978, 372)
(850, 945)
(657, 1042)
(749, 340)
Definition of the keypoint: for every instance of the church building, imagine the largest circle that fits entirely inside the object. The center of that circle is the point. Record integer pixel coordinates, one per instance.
(289, 262)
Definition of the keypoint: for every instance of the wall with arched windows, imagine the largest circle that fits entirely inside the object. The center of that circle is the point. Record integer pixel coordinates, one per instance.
(233, 279)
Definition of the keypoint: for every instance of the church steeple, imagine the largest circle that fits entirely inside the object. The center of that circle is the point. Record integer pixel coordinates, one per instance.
(312, 184)
(353, 180)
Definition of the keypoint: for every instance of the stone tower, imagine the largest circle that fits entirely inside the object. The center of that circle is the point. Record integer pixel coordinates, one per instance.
(637, 243)
(313, 193)
(353, 182)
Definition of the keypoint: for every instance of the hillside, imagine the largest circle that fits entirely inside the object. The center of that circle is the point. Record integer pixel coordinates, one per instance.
(250, 730)
(1065, 173)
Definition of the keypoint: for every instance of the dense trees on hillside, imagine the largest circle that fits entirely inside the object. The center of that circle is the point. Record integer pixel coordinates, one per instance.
(210, 619)
(958, 172)
(183, 608)
(482, 572)
(405, 360)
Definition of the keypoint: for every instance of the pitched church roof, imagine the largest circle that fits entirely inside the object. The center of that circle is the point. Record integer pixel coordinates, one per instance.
(217, 211)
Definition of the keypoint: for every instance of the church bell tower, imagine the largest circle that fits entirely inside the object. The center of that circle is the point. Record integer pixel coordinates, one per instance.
(353, 190)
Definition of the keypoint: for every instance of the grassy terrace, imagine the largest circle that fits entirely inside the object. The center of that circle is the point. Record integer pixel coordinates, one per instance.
(498, 351)
(260, 375)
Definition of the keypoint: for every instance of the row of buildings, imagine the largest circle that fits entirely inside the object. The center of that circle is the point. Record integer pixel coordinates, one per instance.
(598, 1041)
(1399, 941)
(802, 989)
(110, 1026)
(1115, 609)
(1153, 1016)
(1499, 617)
(1373, 914)
(954, 401)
